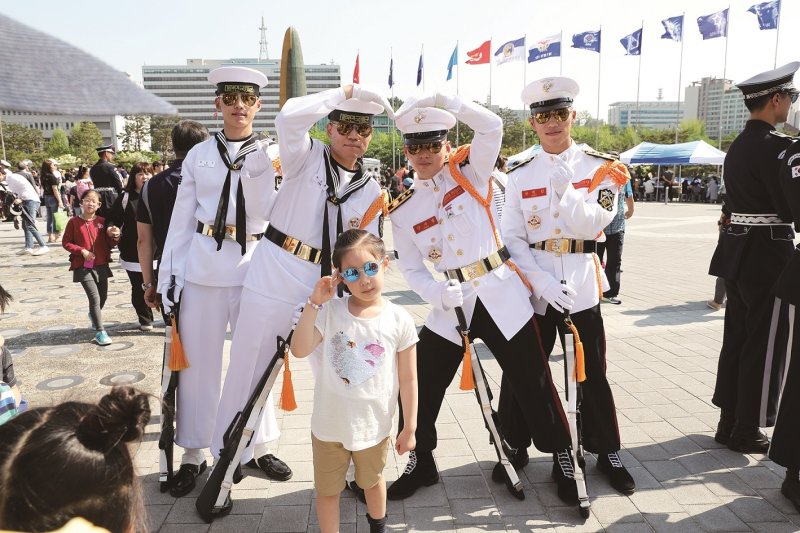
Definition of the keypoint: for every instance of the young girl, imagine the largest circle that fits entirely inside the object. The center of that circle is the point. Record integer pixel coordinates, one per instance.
(89, 246)
(368, 356)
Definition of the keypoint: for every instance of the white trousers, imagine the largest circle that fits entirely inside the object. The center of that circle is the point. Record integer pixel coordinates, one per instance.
(261, 321)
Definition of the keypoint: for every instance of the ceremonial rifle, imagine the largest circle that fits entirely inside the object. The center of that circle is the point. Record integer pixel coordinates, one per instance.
(169, 386)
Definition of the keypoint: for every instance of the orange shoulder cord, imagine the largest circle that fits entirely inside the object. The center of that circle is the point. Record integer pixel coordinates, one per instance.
(467, 381)
(288, 402)
(612, 169)
(380, 205)
(177, 357)
(580, 364)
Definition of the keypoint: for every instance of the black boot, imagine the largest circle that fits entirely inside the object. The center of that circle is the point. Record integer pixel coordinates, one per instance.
(791, 487)
(420, 472)
(726, 421)
(376, 525)
(519, 458)
(746, 439)
(617, 474)
(564, 476)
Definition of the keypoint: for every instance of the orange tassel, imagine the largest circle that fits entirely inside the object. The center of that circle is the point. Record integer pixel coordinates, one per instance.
(467, 380)
(177, 357)
(580, 363)
(288, 402)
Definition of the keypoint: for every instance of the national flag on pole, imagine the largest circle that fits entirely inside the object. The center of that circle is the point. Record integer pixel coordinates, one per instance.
(391, 72)
(419, 70)
(480, 55)
(544, 48)
(673, 28)
(510, 51)
(588, 40)
(452, 63)
(632, 43)
(767, 13)
(713, 25)
(355, 70)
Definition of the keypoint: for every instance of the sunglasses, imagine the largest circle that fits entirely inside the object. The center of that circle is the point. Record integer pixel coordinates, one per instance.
(793, 96)
(248, 100)
(434, 147)
(364, 130)
(370, 268)
(560, 114)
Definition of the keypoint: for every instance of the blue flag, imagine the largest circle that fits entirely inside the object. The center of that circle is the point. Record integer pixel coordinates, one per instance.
(419, 70)
(767, 13)
(544, 48)
(453, 62)
(673, 28)
(714, 25)
(510, 51)
(391, 73)
(588, 40)
(632, 43)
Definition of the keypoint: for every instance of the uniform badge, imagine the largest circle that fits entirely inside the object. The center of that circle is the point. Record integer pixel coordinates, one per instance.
(605, 198)
(354, 222)
(435, 255)
(547, 85)
(534, 222)
(420, 116)
(796, 171)
(791, 159)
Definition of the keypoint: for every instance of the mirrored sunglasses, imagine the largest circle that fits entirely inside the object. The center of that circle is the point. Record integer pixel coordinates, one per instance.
(248, 100)
(364, 130)
(434, 147)
(793, 95)
(560, 114)
(370, 268)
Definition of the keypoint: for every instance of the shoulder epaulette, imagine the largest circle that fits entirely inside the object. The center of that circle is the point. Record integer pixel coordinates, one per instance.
(522, 163)
(603, 155)
(777, 133)
(402, 198)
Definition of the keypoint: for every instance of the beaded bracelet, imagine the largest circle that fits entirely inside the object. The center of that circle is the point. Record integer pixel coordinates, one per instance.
(317, 307)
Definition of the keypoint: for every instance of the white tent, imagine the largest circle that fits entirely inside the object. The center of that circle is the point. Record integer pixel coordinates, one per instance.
(691, 153)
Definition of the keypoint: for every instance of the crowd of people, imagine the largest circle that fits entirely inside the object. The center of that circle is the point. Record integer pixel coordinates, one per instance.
(266, 269)
(705, 189)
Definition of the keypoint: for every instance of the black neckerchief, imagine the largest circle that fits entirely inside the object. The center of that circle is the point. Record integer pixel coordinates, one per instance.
(222, 208)
(332, 180)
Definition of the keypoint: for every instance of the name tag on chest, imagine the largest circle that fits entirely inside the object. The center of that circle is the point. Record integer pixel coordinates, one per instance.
(206, 164)
(425, 224)
(452, 194)
(534, 193)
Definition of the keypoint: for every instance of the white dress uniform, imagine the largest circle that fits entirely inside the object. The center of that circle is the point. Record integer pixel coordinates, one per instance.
(278, 280)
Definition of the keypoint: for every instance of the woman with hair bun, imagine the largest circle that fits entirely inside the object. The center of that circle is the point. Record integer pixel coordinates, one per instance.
(72, 460)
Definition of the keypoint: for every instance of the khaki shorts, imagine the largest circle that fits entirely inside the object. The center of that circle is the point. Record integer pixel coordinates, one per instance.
(331, 461)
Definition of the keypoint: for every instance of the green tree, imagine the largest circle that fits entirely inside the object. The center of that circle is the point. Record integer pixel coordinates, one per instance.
(129, 158)
(135, 133)
(23, 143)
(83, 141)
(58, 144)
(380, 147)
(161, 134)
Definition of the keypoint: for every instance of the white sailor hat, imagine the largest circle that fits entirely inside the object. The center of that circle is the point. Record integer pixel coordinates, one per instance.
(4, 163)
(355, 111)
(549, 93)
(772, 81)
(425, 124)
(106, 148)
(232, 79)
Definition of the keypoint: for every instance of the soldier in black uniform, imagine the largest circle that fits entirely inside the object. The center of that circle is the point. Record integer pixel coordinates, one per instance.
(786, 437)
(751, 253)
(105, 178)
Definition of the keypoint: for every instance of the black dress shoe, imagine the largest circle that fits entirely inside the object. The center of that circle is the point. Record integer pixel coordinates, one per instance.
(358, 491)
(564, 476)
(617, 474)
(750, 440)
(273, 467)
(518, 459)
(419, 472)
(725, 426)
(184, 480)
(791, 489)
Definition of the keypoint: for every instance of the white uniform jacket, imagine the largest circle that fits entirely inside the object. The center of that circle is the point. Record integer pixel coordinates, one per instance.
(534, 213)
(190, 256)
(443, 225)
(298, 208)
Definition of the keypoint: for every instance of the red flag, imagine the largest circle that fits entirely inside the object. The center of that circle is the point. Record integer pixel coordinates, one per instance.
(355, 70)
(480, 55)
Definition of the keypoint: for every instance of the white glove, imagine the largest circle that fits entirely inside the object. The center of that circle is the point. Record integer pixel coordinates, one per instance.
(176, 297)
(298, 310)
(256, 164)
(452, 296)
(561, 177)
(560, 296)
(445, 101)
(409, 105)
(367, 95)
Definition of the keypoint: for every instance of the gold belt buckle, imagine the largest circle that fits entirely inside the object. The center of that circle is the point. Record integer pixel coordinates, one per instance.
(475, 270)
(230, 232)
(290, 244)
(304, 252)
(558, 246)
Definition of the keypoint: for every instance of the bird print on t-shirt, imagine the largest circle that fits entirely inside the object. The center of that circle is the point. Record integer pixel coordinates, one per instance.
(354, 364)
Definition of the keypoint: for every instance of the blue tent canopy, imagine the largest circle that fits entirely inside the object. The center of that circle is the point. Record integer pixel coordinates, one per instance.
(691, 153)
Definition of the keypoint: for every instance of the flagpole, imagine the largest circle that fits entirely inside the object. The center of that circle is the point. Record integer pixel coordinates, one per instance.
(599, 64)
(638, 81)
(524, 81)
(490, 73)
(458, 74)
(391, 102)
(777, 35)
(680, 75)
(724, 74)
(422, 56)
(561, 54)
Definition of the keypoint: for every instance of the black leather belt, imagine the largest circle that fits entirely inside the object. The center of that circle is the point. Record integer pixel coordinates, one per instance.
(480, 267)
(230, 232)
(566, 246)
(293, 246)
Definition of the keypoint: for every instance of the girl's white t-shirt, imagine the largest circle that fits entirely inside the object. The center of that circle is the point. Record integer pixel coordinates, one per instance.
(356, 390)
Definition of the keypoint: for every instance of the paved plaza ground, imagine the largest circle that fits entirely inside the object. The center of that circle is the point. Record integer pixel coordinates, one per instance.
(663, 344)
